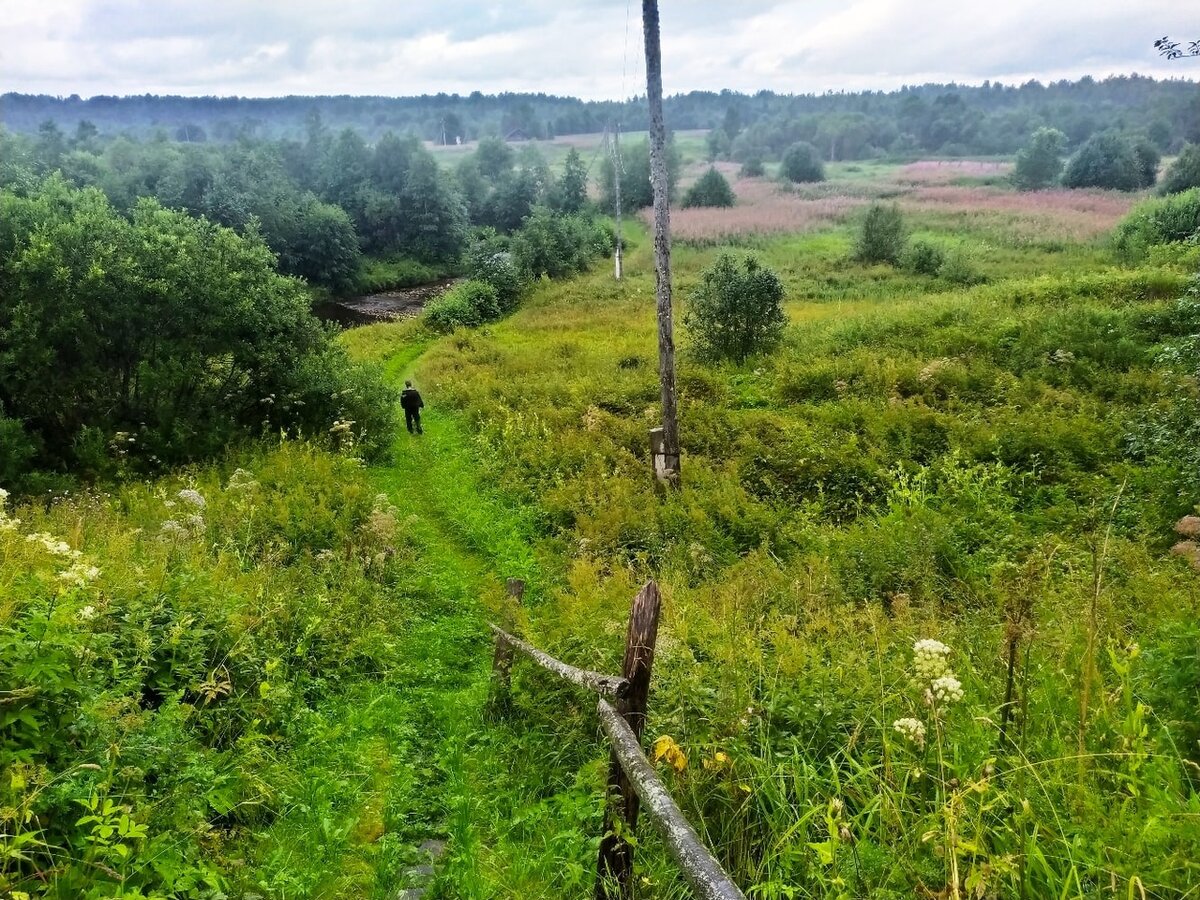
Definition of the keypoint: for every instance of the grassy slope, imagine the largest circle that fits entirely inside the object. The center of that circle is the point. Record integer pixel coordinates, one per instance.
(768, 556)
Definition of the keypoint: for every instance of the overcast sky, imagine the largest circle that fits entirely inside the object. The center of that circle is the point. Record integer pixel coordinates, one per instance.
(586, 49)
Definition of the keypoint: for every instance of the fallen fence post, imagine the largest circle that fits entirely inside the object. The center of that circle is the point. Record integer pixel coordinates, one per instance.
(698, 865)
(607, 685)
(503, 657)
(614, 867)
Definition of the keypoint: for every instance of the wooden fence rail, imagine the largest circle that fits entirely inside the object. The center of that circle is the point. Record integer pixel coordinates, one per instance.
(632, 780)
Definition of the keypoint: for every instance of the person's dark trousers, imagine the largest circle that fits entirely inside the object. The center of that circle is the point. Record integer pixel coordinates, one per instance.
(412, 419)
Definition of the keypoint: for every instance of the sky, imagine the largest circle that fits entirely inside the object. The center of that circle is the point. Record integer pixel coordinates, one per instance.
(584, 48)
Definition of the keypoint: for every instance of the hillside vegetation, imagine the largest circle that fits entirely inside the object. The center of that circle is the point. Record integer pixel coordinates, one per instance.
(923, 632)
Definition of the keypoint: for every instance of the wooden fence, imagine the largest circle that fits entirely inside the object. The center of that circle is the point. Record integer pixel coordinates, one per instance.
(632, 781)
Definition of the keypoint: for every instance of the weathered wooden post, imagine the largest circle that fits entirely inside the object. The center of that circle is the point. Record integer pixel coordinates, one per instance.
(502, 660)
(614, 868)
(666, 464)
(662, 239)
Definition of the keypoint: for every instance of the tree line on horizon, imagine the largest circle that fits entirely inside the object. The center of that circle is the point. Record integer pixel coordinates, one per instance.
(949, 119)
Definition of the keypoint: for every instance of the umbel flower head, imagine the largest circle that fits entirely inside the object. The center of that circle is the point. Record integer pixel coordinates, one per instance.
(930, 659)
(913, 729)
(946, 690)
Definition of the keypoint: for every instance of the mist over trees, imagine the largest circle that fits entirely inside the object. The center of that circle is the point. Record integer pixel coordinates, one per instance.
(945, 118)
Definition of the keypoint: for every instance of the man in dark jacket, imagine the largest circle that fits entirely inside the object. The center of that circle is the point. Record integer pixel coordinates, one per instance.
(411, 402)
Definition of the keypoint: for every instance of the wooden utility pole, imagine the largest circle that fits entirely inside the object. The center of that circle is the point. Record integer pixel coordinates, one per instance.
(616, 152)
(666, 468)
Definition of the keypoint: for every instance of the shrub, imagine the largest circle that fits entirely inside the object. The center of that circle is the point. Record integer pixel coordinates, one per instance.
(170, 330)
(710, 190)
(1148, 158)
(802, 163)
(466, 305)
(1107, 160)
(558, 246)
(924, 258)
(958, 267)
(736, 311)
(489, 260)
(1040, 161)
(752, 168)
(881, 239)
(1184, 173)
(1161, 220)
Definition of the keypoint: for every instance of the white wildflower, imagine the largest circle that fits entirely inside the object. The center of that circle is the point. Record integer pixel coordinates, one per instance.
(242, 481)
(192, 498)
(913, 729)
(51, 544)
(172, 529)
(87, 613)
(79, 575)
(194, 523)
(947, 689)
(930, 659)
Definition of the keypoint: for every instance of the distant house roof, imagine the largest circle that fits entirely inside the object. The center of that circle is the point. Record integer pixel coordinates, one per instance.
(517, 134)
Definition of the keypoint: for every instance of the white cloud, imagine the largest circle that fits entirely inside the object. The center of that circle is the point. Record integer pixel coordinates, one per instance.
(589, 49)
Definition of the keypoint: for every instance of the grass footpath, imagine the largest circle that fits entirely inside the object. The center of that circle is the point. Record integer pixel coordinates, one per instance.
(409, 780)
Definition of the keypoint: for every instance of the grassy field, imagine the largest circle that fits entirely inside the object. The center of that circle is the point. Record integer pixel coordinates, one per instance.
(690, 143)
(279, 689)
(972, 463)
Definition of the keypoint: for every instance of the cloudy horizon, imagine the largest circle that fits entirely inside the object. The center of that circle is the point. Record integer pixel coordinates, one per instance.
(588, 50)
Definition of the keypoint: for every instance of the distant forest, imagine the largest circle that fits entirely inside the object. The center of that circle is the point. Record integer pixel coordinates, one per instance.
(948, 119)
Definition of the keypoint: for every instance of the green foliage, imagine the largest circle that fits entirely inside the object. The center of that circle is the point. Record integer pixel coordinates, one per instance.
(376, 274)
(1106, 160)
(1148, 158)
(1039, 162)
(802, 163)
(752, 168)
(570, 192)
(711, 189)
(1159, 220)
(557, 246)
(1184, 172)
(490, 260)
(736, 311)
(923, 258)
(466, 305)
(637, 192)
(881, 238)
(159, 339)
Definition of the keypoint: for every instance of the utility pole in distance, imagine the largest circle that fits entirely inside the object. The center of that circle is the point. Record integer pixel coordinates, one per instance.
(664, 441)
(616, 151)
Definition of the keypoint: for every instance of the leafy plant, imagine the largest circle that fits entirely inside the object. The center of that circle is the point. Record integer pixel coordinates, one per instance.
(881, 238)
(736, 311)
(711, 189)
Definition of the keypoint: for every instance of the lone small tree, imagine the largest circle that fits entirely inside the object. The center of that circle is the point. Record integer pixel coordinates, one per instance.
(802, 163)
(881, 239)
(711, 189)
(1040, 161)
(737, 310)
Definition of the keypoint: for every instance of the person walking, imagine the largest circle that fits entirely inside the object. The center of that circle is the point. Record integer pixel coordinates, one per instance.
(412, 404)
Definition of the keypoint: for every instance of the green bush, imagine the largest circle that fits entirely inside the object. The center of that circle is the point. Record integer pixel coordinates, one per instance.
(1148, 158)
(466, 305)
(1040, 161)
(736, 312)
(1106, 160)
(710, 190)
(161, 338)
(557, 246)
(881, 238)
(958, 267)
(802, 163)
(1160, 220)
(752, 168)
(499, 269)
(924, 258)
(1184, 172)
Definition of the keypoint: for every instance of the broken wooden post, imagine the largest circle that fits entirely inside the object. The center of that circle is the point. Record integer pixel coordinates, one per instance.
(502, 660)
(614, 868)
(665, 463)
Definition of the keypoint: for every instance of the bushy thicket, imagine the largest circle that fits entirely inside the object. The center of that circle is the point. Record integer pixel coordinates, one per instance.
(158, 339)
(169, 654)
(466, 305)
(637, 192)
(1159, 220)
(1184, 172)
(802, 163)
(710, 189)
(1039, 162)
(1114, 161)
(881, 237)
(736, 310)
